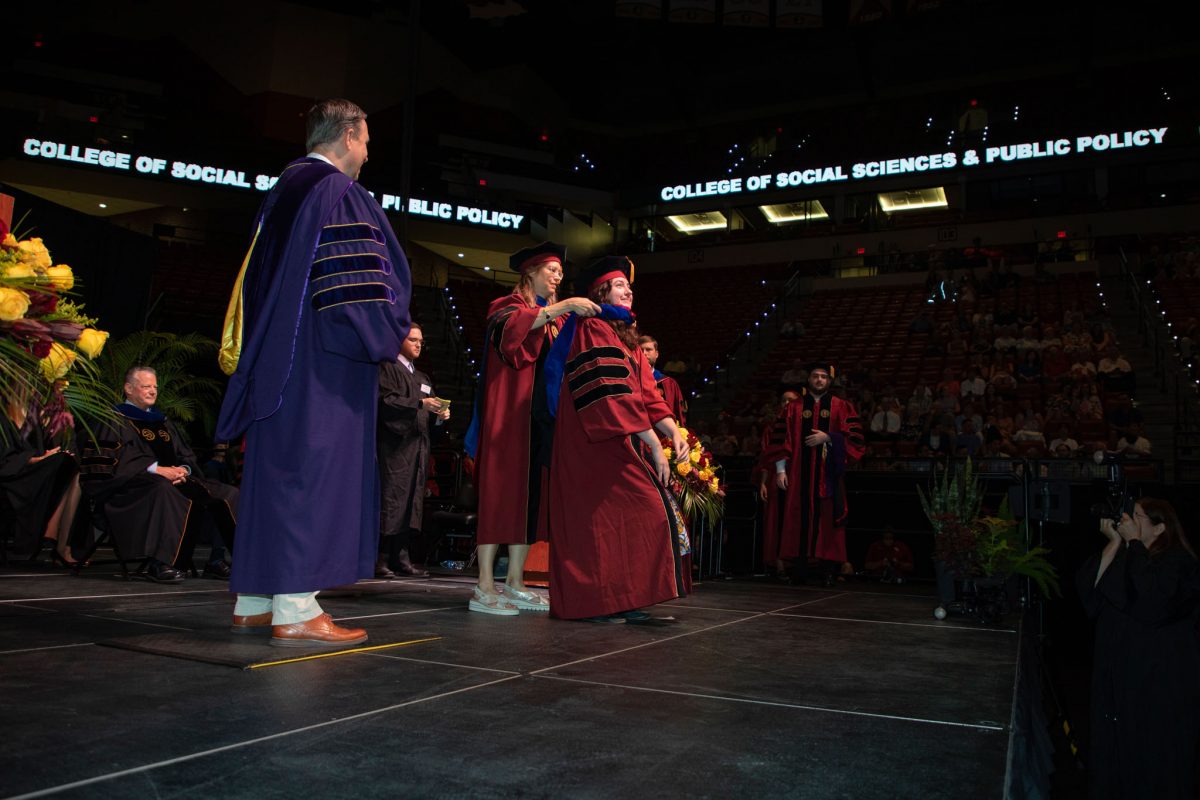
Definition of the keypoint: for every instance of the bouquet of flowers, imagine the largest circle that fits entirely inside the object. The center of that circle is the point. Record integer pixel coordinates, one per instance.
(47, 343)
(694, 482)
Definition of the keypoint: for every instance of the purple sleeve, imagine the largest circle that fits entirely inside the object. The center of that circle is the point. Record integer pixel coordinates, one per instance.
(359, 283)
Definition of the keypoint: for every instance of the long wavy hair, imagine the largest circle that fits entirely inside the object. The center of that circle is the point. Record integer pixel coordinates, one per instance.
(525, 285)
(627, 332)
(1163, 513)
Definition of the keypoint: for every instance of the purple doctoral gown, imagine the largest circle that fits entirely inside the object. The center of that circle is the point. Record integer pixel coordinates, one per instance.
(324, 300)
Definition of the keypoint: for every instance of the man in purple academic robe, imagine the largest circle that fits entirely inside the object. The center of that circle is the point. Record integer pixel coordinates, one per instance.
(321, 300)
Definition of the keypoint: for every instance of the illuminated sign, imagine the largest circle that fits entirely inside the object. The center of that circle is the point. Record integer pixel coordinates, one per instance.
(926, 162)
(240, 179)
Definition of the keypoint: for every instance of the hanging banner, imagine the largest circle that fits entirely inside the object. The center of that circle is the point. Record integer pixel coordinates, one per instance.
(865, 12)
(694, 11)
(798, 13)
(639, 9)
(747, 13)
(1088, 144)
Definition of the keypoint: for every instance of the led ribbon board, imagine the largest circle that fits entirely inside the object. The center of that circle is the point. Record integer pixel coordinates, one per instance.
(209, 175)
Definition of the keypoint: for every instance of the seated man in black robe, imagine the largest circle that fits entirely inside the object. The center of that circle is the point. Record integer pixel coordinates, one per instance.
(147, 482)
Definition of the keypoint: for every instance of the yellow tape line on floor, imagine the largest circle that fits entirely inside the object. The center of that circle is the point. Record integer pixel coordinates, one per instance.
(341, 653)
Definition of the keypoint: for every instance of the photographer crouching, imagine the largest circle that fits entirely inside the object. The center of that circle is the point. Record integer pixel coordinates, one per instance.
(1143, 593)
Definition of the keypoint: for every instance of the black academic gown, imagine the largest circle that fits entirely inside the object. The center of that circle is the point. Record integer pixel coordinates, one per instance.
(32, 490)
(403, 442)
(149, 515)
(1146, 676)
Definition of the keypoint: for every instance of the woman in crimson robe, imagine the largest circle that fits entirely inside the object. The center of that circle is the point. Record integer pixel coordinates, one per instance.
(617, 540)
(510, 437)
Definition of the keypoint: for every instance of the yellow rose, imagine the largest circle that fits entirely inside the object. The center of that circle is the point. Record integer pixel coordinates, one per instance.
(684, 433)
(55, 365)
(34, 253)
(715, 486)
(705, 474)
(684, 468)
(13, 304)
(667, 453)
(694, 456)
(91, 342)
(61, 276)
(19, 270)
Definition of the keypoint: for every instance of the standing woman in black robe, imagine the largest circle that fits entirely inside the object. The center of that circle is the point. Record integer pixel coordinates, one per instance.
(1143, 592)
(40, 486)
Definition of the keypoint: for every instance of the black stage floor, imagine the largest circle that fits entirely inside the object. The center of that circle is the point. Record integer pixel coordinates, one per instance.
(760, 690)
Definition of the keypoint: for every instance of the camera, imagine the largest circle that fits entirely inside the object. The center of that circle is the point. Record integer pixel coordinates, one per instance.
(1115, 497)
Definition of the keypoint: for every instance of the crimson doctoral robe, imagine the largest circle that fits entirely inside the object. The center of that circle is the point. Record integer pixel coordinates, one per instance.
(515, 424)
(668, 387)
(613, 532)
(814, 519)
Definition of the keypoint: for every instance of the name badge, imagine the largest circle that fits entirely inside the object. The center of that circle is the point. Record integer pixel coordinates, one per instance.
(425, 388)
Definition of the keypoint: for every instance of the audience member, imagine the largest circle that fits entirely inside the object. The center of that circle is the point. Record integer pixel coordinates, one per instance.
(885, 422)
(889, 559)
(1030, 368)
(1133, 442)
(795, 375)
(1115, 372)
(1064, 439)
(1030, 430)
(968, 440)
(751, 442)
(675, 367)
(1055, 364)
(975, 385)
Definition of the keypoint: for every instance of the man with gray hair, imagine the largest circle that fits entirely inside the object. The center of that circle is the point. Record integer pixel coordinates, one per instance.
(148, 484)
(321, 300)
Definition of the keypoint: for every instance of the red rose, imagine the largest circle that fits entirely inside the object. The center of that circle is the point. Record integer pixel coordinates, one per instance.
(40, 349)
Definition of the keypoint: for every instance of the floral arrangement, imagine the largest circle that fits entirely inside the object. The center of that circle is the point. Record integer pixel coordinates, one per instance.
(970, 544)
(47, 343)
(694, 482)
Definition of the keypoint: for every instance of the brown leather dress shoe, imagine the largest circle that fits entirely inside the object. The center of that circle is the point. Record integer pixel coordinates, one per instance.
(316, 632)
(254, 623)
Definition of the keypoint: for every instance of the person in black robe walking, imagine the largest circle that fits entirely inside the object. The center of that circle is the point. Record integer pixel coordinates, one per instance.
(408, 410)
(1143, 592)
